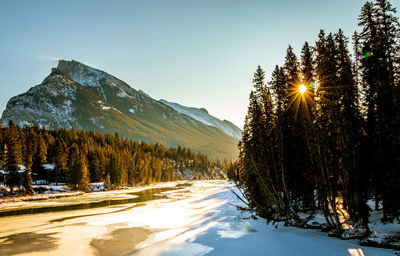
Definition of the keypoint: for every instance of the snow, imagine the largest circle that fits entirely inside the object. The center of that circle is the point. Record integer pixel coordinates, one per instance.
(49, 167)
(38, 106)
(22, 169)
(208, 223)
(81, 73)
(132, 110)
(204, 117)
(197, 220)
(91, 77)
(123, 94)
(50, 189)
(104, 107)
(145, 94)
(97, 186)
(23, 123)
(39, 182)
(382, 233)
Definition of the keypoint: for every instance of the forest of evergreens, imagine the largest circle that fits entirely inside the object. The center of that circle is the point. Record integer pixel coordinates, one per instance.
(335, 146)
(82, 157)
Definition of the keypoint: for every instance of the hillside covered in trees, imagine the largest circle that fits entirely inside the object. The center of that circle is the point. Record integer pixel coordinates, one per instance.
(80, 157)
(323, 135)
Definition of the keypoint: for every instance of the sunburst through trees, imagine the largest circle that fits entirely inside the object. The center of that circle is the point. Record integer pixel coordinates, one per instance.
(309, 145)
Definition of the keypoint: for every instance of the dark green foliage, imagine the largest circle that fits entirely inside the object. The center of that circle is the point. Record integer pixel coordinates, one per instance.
(152, 121)
(81, 171)
(61, 156)
(107, 182)
(323, 150)
(27, 182)
(379, 65)
(82, 157)
(13, 158)
(39, 158)
(27, 179)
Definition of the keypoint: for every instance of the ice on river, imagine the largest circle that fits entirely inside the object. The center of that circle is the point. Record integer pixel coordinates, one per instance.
(194, 220)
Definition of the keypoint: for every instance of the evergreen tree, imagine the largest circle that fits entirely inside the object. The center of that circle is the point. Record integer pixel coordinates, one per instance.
(307, 104)
(60, 170)
(39, 158)
(379, 44)
(353, 179)
(13, 158)
(259, 80)
(74, 168)
(293, 146)
(27, 179)
(82, 173)
(125, 161)
(107, 183)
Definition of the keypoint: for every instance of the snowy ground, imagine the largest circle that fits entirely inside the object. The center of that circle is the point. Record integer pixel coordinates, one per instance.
(195, 220)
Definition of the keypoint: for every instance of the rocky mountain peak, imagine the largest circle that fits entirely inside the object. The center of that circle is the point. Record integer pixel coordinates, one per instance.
(81, 73)
(77, 96)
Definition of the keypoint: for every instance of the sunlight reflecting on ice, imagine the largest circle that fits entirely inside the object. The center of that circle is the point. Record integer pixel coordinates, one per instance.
(204, 220)
(355, 252)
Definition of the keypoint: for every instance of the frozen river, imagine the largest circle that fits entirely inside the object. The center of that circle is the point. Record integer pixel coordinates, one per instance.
(168, 219)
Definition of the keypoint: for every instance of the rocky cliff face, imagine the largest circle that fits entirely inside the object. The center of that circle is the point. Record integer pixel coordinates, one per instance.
(76, 96)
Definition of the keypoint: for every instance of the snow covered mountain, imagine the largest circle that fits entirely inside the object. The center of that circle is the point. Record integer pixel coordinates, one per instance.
(202, 115)
(76, 96)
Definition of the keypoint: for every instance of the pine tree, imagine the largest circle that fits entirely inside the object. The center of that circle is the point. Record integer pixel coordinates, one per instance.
(379, 44)
(353, 178)
(259, 80)
(73, 158)
(82, 172)
(13, 158)
(307, 104)
(293, 81)
(328, 150)
(116, 170)
(39, 158)
(107, 182)
(3, 154)
(60, 170)
(307, 63)
(27, 179)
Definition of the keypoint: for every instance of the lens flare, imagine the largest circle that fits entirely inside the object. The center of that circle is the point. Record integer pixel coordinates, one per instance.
(302, 89)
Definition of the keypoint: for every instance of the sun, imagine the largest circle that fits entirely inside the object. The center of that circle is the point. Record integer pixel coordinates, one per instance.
(302, 89)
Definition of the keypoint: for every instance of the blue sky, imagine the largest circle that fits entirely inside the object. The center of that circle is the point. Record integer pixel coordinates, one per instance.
(197, 53)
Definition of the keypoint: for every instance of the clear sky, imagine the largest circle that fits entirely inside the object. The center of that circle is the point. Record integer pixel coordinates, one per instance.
(198, 53)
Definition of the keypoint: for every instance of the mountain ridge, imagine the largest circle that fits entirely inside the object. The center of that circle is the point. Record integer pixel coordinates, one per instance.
(77, 96)
(197, 113)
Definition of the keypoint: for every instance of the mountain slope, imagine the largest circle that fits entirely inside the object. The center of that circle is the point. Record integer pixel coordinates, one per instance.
(80, 97)
(202, 115)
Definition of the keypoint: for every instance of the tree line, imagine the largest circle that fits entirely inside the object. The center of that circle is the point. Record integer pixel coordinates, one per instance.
(79, 158)
(324, 133)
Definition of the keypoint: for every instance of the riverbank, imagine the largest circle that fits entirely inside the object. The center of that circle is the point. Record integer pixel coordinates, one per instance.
(200, 219)
(62, 199)
(381, 235)
(57, 191)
